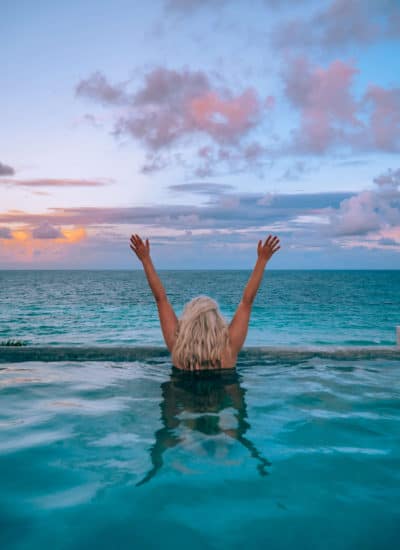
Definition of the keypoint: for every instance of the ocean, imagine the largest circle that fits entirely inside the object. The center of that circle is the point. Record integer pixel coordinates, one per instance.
(292, 308)
(103, 444)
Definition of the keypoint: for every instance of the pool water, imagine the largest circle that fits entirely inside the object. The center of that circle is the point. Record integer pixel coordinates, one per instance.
(302, 452)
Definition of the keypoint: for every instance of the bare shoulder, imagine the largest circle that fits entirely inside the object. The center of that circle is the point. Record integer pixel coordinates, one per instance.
(229, 358)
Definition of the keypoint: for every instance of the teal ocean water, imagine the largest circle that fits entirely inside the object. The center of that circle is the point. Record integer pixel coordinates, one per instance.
(103, 444)
(292, 308)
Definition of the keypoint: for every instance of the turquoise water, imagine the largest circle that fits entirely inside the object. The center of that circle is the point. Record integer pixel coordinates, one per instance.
(298, 453)
(116, 307)
(104, 445)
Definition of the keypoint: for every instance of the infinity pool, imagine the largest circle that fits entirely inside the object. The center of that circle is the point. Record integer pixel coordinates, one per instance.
(295, 452)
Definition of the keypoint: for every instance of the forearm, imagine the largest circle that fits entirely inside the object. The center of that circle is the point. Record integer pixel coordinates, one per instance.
(254, 282)
(153, 279)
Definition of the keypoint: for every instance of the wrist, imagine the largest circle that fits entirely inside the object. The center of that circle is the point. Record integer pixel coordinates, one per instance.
(146, 260)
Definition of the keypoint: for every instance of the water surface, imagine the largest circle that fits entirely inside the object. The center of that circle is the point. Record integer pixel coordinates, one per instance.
(297, 453)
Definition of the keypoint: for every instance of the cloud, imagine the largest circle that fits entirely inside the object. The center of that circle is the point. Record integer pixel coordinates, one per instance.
(387, 242)
(74, 235)
(244, 158)
(228, 220)
(384, 118)
(294, 171)
(189, 6)
(154, 163)
(224, 210)
(44, 242)
(369, 211)
(6, 170)
(331, 117)
(202, 188)
(340, 24)
(5, 233)
(48, 182)
(173, 107)
(225, 119)
(97, 87)
(328, 111)
(389, 180)
(46, 231)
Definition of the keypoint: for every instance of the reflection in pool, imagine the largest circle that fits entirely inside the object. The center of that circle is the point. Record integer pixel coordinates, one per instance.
(197, 402)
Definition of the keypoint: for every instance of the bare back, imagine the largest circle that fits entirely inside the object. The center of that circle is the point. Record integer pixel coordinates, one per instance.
(238, 329)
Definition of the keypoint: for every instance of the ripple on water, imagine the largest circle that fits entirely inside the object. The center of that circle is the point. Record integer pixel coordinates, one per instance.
(131, 447)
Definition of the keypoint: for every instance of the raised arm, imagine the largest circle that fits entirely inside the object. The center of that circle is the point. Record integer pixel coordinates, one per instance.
(240, 322)
(168, 319)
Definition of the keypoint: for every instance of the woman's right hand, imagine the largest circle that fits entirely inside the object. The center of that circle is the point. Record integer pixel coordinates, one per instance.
(270, 246)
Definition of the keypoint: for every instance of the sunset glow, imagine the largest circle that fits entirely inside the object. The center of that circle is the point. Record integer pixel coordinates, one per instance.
(203, 126)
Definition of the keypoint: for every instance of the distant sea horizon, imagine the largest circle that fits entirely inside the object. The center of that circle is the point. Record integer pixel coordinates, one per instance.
(268, 269)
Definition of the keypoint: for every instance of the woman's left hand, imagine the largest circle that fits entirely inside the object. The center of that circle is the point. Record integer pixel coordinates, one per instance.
(141, 249)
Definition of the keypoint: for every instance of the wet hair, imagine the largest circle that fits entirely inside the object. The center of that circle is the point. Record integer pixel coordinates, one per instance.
(202, 335)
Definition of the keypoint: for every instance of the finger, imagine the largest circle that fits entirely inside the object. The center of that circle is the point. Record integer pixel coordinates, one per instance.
(267, 240)
(147, 244)
(275, 249)
(273, 241)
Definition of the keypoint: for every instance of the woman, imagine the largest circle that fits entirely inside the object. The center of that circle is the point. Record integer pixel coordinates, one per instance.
(202, 339)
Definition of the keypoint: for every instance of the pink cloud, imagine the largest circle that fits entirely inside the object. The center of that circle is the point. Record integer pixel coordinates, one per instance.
(384, 119)
(49, 182)
(171, 107)
(370, 211)
(225, 119)
(332, 117)
(356, 215)
(323, 98)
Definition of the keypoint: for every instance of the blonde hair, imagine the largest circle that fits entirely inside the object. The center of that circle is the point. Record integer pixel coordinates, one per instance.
(202, 335)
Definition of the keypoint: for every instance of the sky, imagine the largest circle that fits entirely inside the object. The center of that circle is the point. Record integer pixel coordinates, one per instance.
(204, 126)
